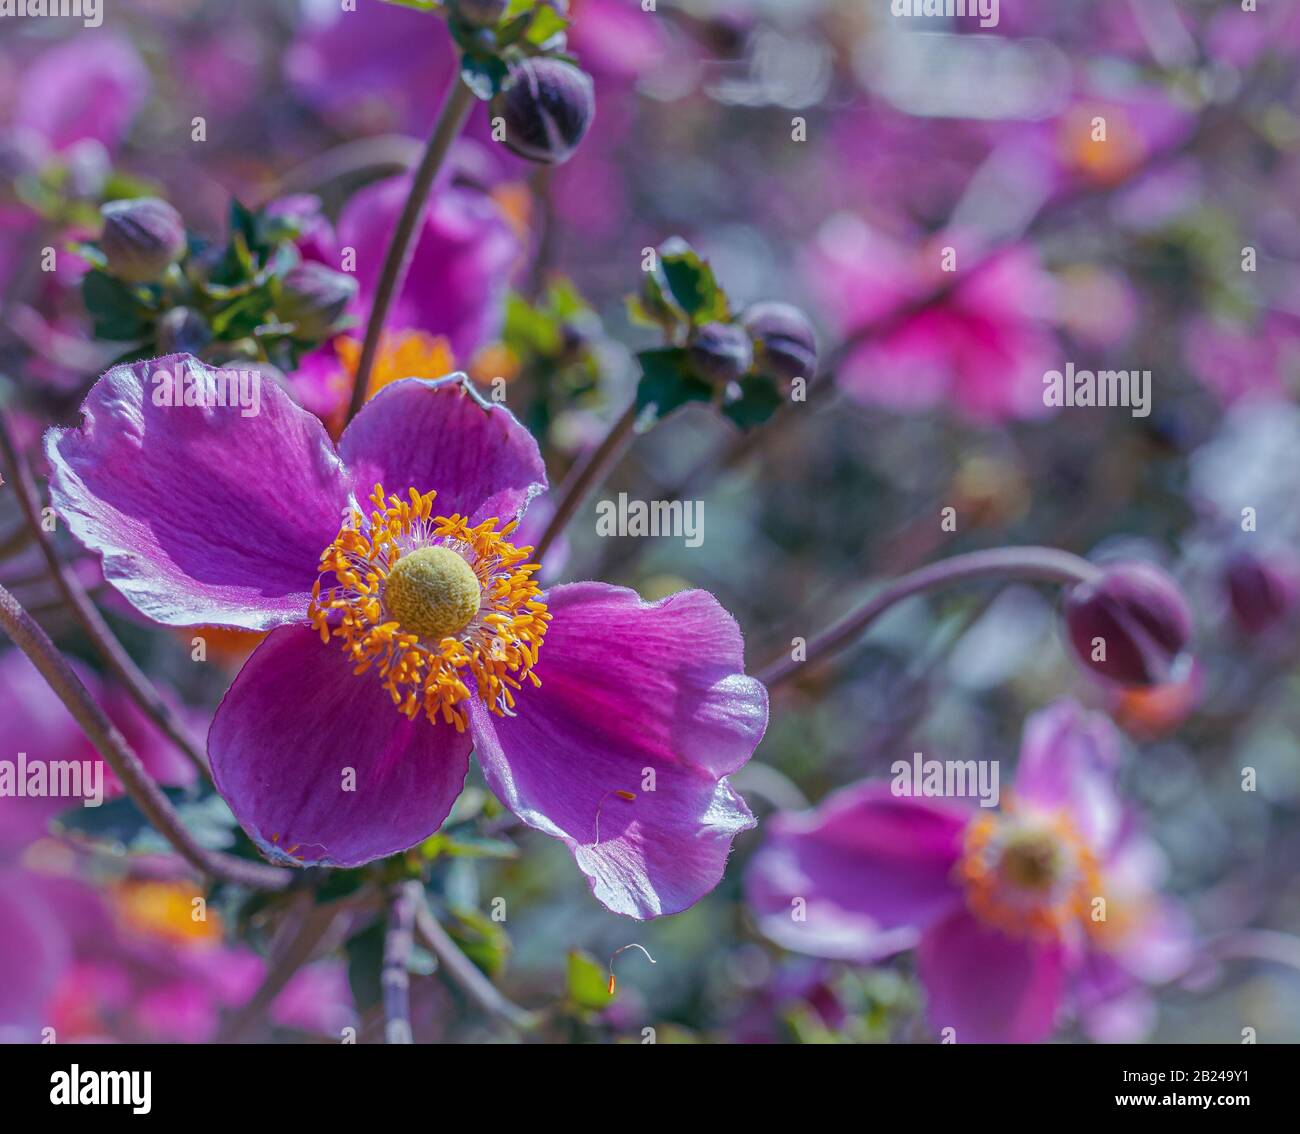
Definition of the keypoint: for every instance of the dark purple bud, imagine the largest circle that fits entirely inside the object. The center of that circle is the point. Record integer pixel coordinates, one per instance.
(314, 298)
(721, 352)
(785, 345)
(1262, 590)
(182, 330)
(1129, 624)
(479, 13)
(547, 109)
(142, 238)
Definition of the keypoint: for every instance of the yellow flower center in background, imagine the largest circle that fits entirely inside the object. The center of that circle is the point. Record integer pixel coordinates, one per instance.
(433, 592)
(164, 910)
(1029, 875)
(435, 605)
(404, 354)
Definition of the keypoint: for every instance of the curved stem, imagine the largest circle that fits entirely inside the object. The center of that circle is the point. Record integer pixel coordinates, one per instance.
(1045, 564)
(585, 476)
(395, 977)
(385, 153)
(110, 743)
(140, 688)
(455, 109)
(460, 969)
(1256, 945)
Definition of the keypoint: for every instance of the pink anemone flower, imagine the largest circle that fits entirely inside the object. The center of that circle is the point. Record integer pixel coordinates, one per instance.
(1016, 916)
(406, 629)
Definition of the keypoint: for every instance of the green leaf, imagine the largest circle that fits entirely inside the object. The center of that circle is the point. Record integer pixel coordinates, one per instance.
(759, 400)
(547, 23)
(691, 283)
(119, 823)
(417, 5)
(118, 312)
(484, 75)
(667, 382)
(467, 845)
(244, 316)
(243, 222)
(91, 253)
(588, 982)
(653, 308)
(482, 940)
(529, 330)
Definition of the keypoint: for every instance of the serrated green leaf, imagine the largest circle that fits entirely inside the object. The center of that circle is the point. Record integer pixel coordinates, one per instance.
(691, 283)
(667, 382)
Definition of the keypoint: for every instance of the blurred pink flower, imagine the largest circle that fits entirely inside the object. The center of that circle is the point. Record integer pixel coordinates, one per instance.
(999, 906)
(82, 89)
(459, 271)
(982, 348)
(1235, 360)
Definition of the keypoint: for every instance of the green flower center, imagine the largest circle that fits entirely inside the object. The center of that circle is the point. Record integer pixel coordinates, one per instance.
(432, 592)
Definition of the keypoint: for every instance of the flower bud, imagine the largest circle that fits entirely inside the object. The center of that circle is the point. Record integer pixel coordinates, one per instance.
(1262, 590)
(182, 330)
(721, 352)
(547, 109)
(1129, 624)
(142, 238)
(786, 346)
(479, 13)
(315, 297)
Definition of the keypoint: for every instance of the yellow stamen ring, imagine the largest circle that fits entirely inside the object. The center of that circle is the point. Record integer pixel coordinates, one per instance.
(433, 604)
(1029, 876)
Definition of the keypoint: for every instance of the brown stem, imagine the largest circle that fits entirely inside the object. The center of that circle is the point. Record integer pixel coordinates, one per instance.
(461, 970)
(140, 688)
(1002, 563)
(395, 978)
(126, 765)
(585, 476)
(455, 109)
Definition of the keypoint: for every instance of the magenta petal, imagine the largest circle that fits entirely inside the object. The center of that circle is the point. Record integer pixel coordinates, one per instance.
(630, 688)
(34, 951)
(1068, 761)
(860, 877)
(84, 88)
(293, 723)
(989, 987)
(460, 268)
(202, 515)
(441, 436)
